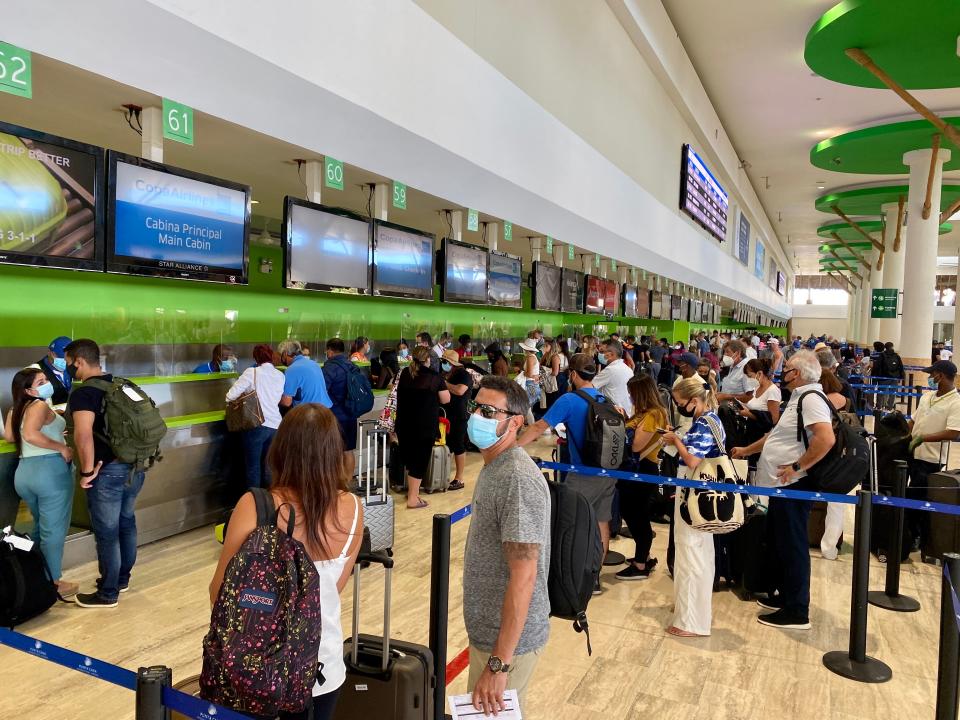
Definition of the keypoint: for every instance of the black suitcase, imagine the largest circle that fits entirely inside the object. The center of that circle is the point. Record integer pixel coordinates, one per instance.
(26, 588)
(396, 470)
(751, 557)
(385, 678)
(943, 534)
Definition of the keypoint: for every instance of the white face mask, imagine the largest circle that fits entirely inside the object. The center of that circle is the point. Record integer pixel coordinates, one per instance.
(727, 361)
(751, 383)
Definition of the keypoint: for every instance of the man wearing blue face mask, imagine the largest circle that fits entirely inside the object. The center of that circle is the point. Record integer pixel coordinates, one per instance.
(54, 366)
(506, 606)
(222, 360)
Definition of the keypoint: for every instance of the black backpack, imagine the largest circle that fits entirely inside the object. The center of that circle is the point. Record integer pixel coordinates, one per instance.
(892, 365)
(847, 464)
(576, 556)
(26, 588)
(605, 439)
(359, 398)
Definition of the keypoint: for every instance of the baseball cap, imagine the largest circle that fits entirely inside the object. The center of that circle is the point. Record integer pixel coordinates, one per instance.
(58, 345)
(689, 358)
(942, 366)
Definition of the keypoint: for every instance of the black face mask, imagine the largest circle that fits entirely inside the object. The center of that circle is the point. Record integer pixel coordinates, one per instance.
(683, 410)
(72, 371)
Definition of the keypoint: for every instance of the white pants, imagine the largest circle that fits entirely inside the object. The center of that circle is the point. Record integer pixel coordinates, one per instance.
(832, 529)
(693, 571)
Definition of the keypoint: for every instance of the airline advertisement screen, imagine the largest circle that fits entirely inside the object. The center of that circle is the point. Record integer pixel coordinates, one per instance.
(504, 278)
(465, 275)
(643, 303)
(630, 301)
(546, 286)
(402, 262)
(571, 291)
(594, 295)
(610, 299)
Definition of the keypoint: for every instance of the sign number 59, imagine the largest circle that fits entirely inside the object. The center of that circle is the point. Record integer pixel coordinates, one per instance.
(16, 75)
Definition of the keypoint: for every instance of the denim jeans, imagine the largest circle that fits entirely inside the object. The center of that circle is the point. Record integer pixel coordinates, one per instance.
(787, 521)
(111, 503)
(256, 444)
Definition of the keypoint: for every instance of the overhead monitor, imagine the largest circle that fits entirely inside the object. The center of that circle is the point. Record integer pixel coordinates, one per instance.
(169, 222)
(51, 204)
(546, 286)
(666, 310)
(676, 303)
(325, 248)
(611, 297)
(402, 261)
(656, 305)
(701, 196)
(781, 282)
(594, 295)
(464, 276)
(504, 279)
(696, 310)
(643, 302)
(629, 301)
(571, 291)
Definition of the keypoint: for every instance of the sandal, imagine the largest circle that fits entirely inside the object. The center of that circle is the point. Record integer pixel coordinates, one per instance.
(456, 485)
(420, 505)
(677, 632)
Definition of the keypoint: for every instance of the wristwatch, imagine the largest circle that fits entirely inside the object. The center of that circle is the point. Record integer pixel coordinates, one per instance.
(796, 467)
(86, 474)
(496, 665)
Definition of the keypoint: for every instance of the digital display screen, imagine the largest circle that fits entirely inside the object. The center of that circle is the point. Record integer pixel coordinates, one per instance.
(594, 295)
(572, 291)
(465, 275)
(684, 309)
(402, 262)
(643, 303)
(175, 223)
(630, 301)
(666, 308)
(656, 305)
(325, 249)
(610, 298)
(781, 283)
(504, 278)
(51, 211)
(676, 305)
(743, 239)
(701, 196)
(696, 310)
(546, 286)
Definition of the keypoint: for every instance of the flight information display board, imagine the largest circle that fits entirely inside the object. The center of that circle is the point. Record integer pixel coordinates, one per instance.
(571, 291)
(701, 196)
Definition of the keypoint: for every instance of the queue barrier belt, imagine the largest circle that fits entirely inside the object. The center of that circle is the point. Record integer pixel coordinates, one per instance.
(183, 703)
(953, 594)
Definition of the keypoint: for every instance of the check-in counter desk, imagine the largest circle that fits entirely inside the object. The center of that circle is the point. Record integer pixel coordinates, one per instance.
(201, 473)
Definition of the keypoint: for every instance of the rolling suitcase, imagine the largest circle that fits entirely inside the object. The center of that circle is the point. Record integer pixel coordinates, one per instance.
(385, 678)
(438, 471)
(943, 531)
(366, 434)
(378, 509)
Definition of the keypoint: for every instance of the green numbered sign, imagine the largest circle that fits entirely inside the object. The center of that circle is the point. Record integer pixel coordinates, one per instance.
(332, 173)
(473, 220)
(613, 264)
(596, 260)
(177, 122)
(508, 231)
(399, 195)
(16, 73)
(570, 252)
(549, 245)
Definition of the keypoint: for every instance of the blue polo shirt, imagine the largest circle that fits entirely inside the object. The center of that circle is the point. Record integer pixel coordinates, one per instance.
(304, 382)
(571, 410)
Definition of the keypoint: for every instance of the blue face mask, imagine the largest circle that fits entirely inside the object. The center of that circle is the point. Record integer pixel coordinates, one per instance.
(404, 353)
(482, 431)
(60, 364)
(931, 383)
(45, 391)
(446, 366)
(226, 366)
(602, 359)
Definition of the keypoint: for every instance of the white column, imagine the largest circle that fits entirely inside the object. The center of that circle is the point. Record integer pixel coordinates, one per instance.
(854, 316)
(876, 281)
(920, 266)
(493, 236)
(151, 142)
(588, 263)
(382, 193)
(559, 255)
(624, 273)
(893, 262)
(955, 335)
(604, 267)
(456, 222)
(865, 304)
(313, 172)
(536, 245)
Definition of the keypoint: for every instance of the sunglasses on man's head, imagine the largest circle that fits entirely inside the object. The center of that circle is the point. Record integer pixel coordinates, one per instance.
(487, 411)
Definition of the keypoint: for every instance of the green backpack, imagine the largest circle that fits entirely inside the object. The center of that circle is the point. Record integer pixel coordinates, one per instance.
(132, 422)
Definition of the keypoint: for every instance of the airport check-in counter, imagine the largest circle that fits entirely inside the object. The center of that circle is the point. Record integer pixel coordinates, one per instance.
(201, 473)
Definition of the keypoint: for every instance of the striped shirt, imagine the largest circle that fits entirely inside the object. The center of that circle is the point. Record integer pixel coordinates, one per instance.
(699, 440)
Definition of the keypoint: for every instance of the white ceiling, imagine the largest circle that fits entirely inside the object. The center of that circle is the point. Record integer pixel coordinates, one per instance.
(749, 56)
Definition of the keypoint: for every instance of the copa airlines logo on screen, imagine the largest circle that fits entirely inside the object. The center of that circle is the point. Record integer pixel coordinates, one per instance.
(258, 600)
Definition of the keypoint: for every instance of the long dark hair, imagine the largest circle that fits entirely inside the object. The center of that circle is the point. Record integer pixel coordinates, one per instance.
(22, 382)
(646, 398)
(216, 357)
(358, 345)
(306, 459)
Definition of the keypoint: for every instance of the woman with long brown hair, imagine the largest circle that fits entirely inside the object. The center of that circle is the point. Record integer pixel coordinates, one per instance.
(307, 464)
(420, 393)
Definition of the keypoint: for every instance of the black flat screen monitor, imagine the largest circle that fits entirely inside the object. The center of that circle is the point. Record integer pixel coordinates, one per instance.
(464, 278)
(611, 298)
(696, 310)
(781, 283)
(593, 297)
(571, 291)
(504, 278)
(666, 308)
(325, 248)
(402, 261)
(546, 286)
(684, 309)
(706, 313)
(51, 200)
(629, 301)
(175, 223)
(676, 303)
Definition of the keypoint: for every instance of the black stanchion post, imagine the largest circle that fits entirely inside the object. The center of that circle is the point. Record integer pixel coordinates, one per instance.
(948, 672)
(150, 684)
(890, 598)
(439, 608)
(854, 663)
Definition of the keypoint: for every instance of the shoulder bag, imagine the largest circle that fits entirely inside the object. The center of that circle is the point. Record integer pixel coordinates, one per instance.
(388, 416)
(244, 412)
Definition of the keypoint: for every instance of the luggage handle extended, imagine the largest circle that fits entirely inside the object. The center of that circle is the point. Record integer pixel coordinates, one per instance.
(387, 562)
(367, 470)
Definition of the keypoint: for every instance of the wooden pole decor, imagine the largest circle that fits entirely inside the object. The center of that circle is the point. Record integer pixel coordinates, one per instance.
(866, 62)
(935, 146)
(844, 263)
(849, 247)
(842, 283)
(896, 240)
(948, 213)
(843, 216)
(880, 262)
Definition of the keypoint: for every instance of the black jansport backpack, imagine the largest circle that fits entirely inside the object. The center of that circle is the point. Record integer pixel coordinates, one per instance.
(576, 556)
(260, 655)
(605, 439)
(847, 464)
(26, 588)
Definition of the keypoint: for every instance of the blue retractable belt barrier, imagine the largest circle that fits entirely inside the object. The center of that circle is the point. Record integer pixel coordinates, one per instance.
(196, 708)
(460, 514)
(916, 505)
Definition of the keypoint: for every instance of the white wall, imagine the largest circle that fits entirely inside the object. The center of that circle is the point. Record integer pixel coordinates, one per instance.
(820, 320)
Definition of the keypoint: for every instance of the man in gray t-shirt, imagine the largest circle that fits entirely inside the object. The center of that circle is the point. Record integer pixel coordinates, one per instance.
(506, 605)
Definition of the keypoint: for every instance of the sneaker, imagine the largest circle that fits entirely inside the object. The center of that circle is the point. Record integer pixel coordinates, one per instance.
(771, 602)
(786, 620)
(632, 572)
(597, 590)
(829, 553)
(94, 600)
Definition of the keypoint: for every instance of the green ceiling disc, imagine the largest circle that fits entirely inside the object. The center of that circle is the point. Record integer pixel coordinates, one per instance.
(860, 247)
(914, 41)
(847, 232)
(868, 201)
(879, 150)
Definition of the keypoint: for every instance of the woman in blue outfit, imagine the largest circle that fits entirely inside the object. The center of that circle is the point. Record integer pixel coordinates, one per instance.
(43, 478)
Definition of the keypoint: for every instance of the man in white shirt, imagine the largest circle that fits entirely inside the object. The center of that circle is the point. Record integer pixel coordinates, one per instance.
(752, 347)
(443, 344)
(784, 460)
(612, 380)
(735, 386)
(935, 421)
(945, 354)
